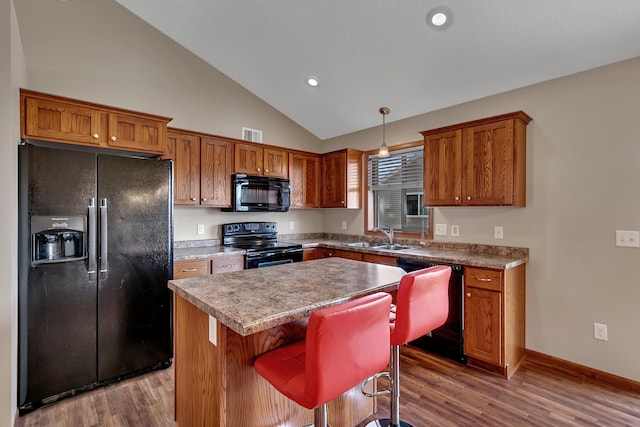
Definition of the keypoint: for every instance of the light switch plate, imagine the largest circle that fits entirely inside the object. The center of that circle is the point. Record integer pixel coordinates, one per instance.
(628, 238)
(455, 230)
(498, 232)
(200, 228)
(441, 229)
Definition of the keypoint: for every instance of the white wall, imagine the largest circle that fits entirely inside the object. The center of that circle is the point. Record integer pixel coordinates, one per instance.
(583, 176)
(12, 75)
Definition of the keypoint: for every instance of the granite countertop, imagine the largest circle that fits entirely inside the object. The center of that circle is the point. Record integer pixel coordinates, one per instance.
(254, 300)
(468, 254)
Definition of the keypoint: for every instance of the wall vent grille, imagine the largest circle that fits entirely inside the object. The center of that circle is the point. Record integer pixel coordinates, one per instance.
(252, 135)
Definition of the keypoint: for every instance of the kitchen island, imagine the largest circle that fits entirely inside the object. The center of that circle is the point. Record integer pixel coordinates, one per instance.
(223, 322)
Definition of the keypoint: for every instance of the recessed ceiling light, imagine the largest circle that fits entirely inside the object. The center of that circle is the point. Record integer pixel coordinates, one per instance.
(313, 81)
(439, 17)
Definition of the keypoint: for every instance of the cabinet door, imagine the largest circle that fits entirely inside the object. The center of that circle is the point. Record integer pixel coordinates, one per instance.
(483, 324)
(442, 167)
(304, 174)
(215, 174)
(333, 181)
(59, 121)
(137, 134)
(488, 161)
(248, 159)
(276, 163)
(185, 151)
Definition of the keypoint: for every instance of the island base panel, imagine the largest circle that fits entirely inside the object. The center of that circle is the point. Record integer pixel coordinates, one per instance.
(216, 385)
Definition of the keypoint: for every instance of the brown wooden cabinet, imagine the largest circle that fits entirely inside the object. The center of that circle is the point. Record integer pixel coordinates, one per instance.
(216, 160)
(304, 175)
(253, 159)
(342, 179)
(189, 268)
(220, 264)
(494, 318)
(202, 168)
(58, 119)
(328, 253)
(380, 259)
(478, 163)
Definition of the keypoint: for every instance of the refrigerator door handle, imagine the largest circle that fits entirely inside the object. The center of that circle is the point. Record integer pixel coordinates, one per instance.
(92, 239)
(104, 261)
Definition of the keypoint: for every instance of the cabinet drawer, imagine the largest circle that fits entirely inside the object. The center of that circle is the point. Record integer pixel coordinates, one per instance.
(223, 264)
(483, 278)
(184, 269)
(379, 259)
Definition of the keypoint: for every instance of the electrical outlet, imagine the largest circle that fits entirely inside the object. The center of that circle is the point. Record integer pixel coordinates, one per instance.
(455, 230)
(291, 225)
(628, 238)
(441, 229)
(200, 228)
(498, 232)
(344, 225)
(600, 332)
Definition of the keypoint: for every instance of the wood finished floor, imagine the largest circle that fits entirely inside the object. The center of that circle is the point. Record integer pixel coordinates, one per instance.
(435, 392)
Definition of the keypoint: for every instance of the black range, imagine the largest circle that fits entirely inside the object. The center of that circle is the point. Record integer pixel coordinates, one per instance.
(260, 241)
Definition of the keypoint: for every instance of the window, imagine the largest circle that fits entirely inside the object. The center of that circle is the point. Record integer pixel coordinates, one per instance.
(396, 191)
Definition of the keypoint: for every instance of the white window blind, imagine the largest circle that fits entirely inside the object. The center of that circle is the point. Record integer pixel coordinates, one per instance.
(395, 183)
(402, 169)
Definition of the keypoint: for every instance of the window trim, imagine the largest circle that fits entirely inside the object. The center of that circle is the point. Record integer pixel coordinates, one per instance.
(368, 205)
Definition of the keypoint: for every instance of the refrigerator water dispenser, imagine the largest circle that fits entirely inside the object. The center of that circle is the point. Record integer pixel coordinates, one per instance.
(58, 239)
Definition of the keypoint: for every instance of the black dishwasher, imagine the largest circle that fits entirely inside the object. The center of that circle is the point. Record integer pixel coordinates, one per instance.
(447, 340)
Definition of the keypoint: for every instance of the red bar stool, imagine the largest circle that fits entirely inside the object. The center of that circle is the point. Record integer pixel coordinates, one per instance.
(422, 305)
(344, 344)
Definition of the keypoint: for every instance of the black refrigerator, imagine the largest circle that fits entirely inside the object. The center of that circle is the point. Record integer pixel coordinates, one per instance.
(95, 254)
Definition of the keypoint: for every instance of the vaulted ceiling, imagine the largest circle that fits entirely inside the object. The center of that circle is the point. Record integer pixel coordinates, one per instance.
(372, 53)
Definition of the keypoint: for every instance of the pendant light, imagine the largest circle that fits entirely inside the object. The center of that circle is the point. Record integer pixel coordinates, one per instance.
(383, 151)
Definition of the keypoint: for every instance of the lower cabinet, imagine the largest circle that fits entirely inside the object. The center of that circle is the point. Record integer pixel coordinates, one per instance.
(200, 267)
(328, 253)
(380, 259)
(494, 318)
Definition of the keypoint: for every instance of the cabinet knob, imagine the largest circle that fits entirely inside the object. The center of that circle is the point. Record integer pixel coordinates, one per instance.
(457, 198)
(342, 202)
(95, 136)
(468, 294)
(193, 199)
(204, 199)
(468, 197)
(266, 170)
(113, 138)
(258, 169)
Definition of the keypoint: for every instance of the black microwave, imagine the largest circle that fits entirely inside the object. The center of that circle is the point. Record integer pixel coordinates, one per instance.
(259, 194)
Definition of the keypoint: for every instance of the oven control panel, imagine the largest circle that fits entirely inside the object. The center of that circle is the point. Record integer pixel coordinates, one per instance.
(245, 228)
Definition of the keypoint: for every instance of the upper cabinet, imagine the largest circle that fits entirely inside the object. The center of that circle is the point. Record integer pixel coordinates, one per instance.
(57, 119)
(254, 159)
(304, 174)
(478, 163)
(203, 165)
(342, 179)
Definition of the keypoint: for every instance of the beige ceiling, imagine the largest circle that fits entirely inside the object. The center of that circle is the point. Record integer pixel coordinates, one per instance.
(373, 53)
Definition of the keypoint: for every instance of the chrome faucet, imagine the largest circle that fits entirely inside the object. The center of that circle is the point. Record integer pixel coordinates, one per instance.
(389, 233)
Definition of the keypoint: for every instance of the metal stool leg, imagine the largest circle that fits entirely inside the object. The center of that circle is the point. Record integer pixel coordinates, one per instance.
(394, 369)
(320, 416)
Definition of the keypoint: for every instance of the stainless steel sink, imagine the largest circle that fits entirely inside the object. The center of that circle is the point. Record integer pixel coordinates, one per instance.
(358, 244)
(394, 247)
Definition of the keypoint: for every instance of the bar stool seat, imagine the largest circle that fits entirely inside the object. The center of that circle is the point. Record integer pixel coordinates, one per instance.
(422, 305)
(344, 344)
